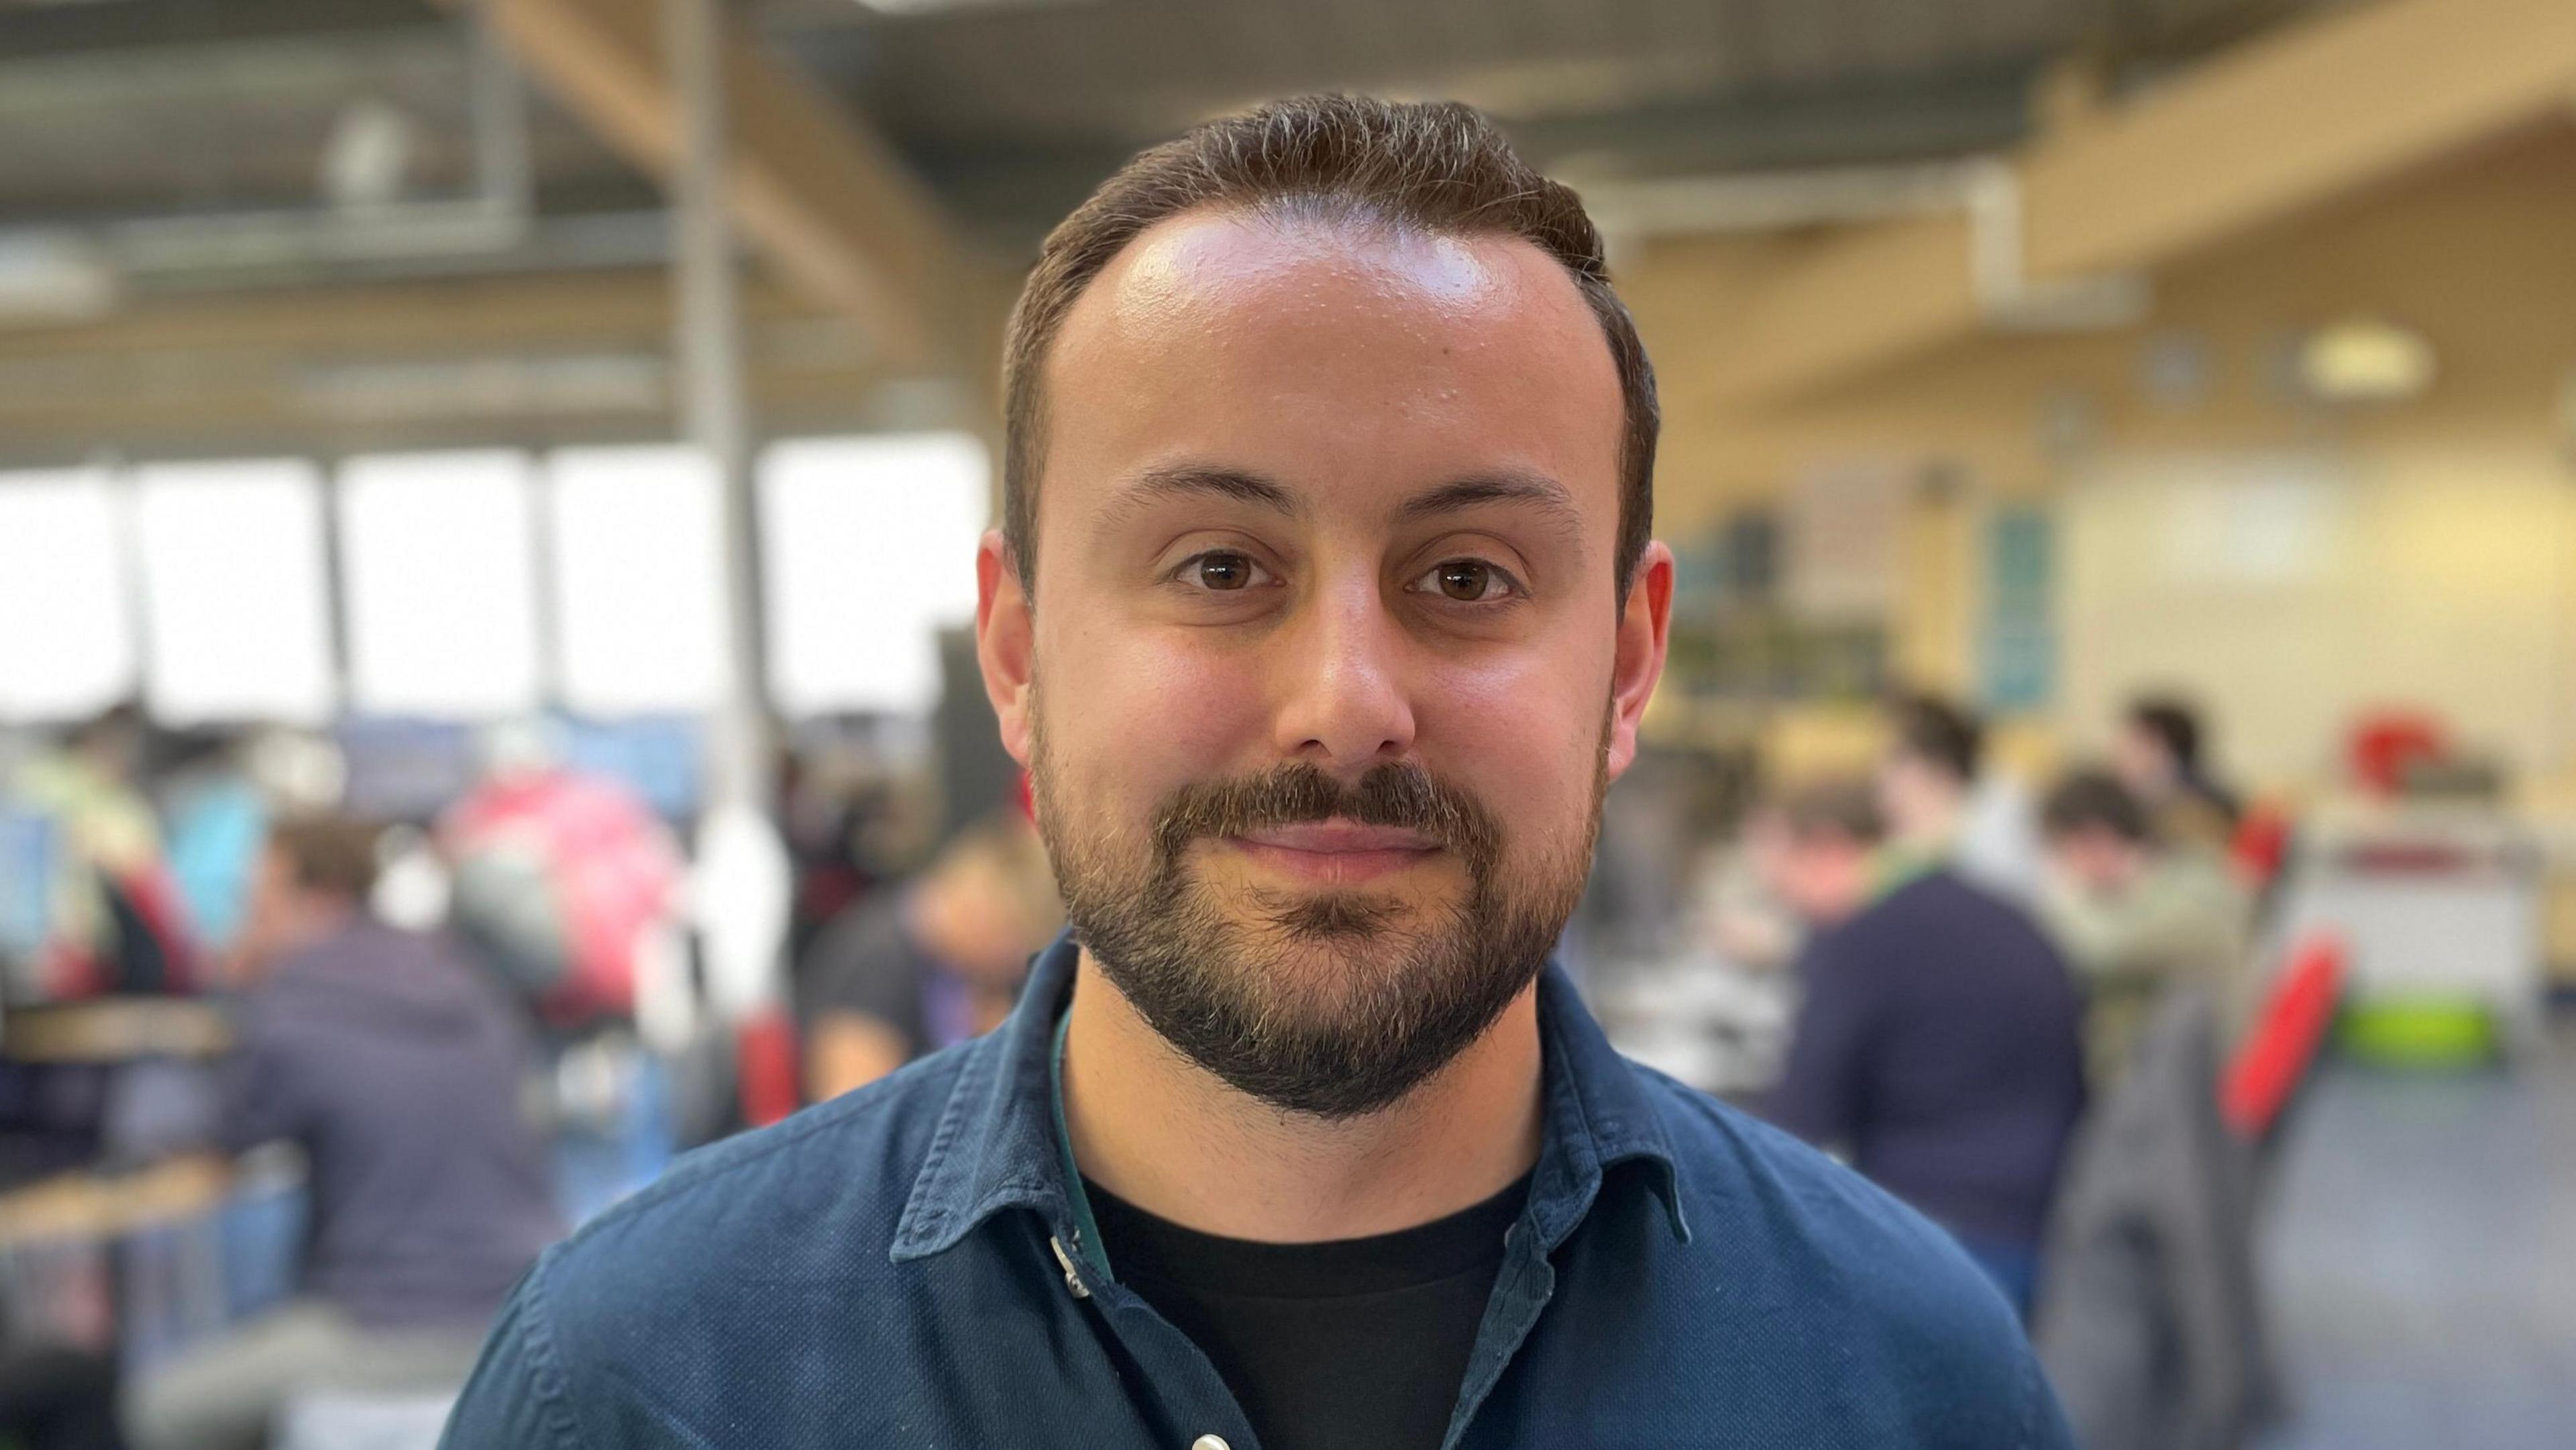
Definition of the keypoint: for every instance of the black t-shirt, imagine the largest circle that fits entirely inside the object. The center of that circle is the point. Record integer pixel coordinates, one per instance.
(866, 962)
(1355, 1345)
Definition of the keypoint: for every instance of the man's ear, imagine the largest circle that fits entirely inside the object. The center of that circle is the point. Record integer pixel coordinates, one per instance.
(1005, 641)
(1643, 627)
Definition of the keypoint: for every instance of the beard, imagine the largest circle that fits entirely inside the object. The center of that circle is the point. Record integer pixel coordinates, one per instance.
(1331, 1002)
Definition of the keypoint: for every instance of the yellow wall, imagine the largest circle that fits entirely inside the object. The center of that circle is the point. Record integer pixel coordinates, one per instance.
(2446, 522)
(2294, 592)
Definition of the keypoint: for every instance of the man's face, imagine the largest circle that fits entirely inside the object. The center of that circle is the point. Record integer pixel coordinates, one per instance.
(2142, 762)
(270, 919)
(1326, 670)
(2096, 862)
(1921, 801)
(1819, 876)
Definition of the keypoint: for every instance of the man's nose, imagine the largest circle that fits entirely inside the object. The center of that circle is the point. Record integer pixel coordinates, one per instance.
(1343, 705)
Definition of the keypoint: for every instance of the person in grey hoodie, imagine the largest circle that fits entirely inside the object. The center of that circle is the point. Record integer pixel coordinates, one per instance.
(396, 1065)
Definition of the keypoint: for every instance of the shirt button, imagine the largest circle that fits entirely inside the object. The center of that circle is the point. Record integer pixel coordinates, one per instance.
(1210, 1442)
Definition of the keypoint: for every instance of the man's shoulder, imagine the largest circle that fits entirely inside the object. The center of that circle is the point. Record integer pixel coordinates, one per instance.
(751, 1287)
(814, 1198)
(866, 931)
(1801, 1271)
(1786, 1223)
(1941, 907)
(1943, 892)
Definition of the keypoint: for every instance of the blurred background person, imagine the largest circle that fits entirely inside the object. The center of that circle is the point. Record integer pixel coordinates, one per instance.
(218, 819)
(564, 879)
(928, 962)
(1937, 1045)
(1940, 803)
(399, 1069)
(2159, 756)
(54, 1398)
(114, 917)
(2135, 915)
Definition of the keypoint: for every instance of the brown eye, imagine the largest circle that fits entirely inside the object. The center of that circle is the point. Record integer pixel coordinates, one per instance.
(1465, 579)
(1224, 571)
(1468, 581)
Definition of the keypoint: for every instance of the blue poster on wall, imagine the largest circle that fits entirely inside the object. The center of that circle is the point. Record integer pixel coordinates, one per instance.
(2017, 637)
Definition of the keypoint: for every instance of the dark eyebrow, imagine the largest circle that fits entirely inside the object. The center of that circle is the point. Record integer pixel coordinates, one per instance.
(1535, 489)
(1188, 479)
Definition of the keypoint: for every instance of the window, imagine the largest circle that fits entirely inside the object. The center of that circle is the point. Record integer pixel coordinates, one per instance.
(638, 578)
(66, 639)
(439, 581)
(235, 606)
(869, 546)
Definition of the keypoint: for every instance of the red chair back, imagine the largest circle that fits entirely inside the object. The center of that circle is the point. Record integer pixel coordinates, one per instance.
(2278, 1053)
(2261, 844)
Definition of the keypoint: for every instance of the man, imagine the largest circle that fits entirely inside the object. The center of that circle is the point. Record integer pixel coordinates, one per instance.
(1323, 612)
(1938, 1043)
(398, 1069)
(930, 963)
(2158, 757)
(106, 914)
(2135, 916)
(566, 880)
(1940, 806)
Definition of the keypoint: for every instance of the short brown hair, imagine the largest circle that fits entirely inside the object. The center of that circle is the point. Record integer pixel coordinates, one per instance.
(1437, 167)
(1833, 808)
(2094, 800)
(1939, 734)
(328, 854)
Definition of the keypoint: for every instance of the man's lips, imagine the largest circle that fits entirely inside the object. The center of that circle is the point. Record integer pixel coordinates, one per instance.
(1336, 852)
(1339, 836)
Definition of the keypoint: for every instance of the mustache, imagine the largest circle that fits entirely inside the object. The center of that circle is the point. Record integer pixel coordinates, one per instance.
(1400, 795)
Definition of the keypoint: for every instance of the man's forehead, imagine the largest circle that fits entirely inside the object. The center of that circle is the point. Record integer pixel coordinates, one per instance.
(1540, 494)
(1208, 267)
(1320, 352)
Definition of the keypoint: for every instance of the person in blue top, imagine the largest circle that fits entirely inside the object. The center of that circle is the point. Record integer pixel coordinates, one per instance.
(1323, 612)
(1939, 1038)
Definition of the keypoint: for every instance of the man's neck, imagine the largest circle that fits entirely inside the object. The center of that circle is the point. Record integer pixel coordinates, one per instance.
(309, 925)
(1171, 1138)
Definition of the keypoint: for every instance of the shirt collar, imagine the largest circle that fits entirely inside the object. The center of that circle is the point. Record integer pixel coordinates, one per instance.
(995, 1145)
(1901, 864)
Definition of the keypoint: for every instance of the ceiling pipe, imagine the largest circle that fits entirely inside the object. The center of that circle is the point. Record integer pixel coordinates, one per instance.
(1767, 201)
(498, 217)
(1986, 189)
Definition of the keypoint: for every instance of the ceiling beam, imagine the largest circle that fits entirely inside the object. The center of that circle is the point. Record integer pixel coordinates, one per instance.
(2256, 134)
(382, 320)
(1012, 189)
(825, 201)
(276, 369)
(32, 32)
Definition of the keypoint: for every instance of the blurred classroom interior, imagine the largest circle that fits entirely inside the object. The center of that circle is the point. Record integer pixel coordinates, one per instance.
(488, 504)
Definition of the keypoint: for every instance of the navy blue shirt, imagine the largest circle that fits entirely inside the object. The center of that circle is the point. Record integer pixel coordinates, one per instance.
(884, 1270)
(1940, 1043)
(397, 1064)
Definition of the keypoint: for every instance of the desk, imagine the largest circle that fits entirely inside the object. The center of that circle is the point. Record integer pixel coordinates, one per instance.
(116, 1029)
(99, 1207)
(2429, 901)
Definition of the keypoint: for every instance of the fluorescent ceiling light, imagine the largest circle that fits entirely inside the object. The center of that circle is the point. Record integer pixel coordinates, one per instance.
(2364, 360)
(53, 277)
